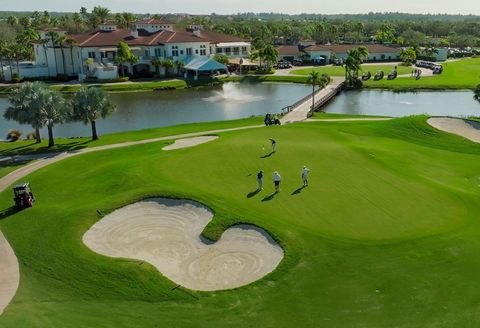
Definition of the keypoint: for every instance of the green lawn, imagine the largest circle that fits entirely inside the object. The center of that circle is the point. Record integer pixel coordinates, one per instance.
(65, 144)
(340, 71)
(323, 115)
(462, 74)
(387, 234)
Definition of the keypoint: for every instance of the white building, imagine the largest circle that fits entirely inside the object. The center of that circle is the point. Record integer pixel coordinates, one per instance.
(93, 54)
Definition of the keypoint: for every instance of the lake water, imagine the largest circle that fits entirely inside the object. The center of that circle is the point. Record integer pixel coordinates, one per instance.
(233, 100)
(389, 103)
(144, 110)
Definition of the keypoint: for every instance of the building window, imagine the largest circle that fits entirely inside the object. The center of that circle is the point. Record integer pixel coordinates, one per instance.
(158, 52)
(189, 51)
(196, 51)
(235, 49)
(219, 50)
(91, 54)
(175, 51)
(146, 53)
(244, 49)
(181, 52)
(203, 52)
(227, 50)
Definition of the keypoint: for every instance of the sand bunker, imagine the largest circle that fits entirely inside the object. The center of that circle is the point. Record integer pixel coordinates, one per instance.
(467, 129)
(166, 234)
(9, 273)
(189, 142)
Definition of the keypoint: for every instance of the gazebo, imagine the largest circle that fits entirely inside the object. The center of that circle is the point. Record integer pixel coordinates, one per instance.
(200, 65)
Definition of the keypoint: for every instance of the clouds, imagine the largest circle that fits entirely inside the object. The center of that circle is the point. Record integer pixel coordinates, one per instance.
(225, 7)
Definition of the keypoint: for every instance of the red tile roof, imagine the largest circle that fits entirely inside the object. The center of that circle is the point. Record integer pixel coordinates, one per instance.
(153, 21)
(112, 38)
(289, 51)
(343, 48)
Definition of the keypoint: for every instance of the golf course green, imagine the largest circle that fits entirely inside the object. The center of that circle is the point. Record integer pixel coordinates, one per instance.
(385, 235)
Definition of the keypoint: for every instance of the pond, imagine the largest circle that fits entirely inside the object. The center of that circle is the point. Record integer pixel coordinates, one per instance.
(144, 110)
(240, 100)
(396, 104)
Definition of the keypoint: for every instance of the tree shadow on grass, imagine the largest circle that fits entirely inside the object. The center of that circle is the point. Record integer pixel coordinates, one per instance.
(269, 197)
(27, 149)
(298, 191)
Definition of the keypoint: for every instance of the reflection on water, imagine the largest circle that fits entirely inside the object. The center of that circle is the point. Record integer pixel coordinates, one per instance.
(155, 109)
(230, 93)
(388, 103)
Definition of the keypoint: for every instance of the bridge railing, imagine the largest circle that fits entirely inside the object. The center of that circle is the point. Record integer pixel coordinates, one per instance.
(288, 109)
(325, 99)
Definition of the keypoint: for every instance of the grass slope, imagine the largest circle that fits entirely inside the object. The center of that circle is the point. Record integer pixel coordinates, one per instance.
(387, 235)
(65, 144)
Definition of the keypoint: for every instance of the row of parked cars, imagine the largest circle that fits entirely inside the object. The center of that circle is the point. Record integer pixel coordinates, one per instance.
(436, 68)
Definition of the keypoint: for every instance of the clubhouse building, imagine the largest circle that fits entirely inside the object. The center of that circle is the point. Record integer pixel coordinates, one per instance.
(326, 54)
(93, 54)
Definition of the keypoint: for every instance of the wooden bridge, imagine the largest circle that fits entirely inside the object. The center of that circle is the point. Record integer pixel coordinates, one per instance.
(303, 109)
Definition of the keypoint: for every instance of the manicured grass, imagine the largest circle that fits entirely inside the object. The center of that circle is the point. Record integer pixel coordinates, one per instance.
(340, 71)
(386, 235)
(134, 86)
(66, 144)
(266, 78)
(6, 168)
(323, 115)
(462, 74)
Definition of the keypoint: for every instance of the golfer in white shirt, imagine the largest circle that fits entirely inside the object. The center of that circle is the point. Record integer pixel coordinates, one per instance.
(305, 172)
(276, 181)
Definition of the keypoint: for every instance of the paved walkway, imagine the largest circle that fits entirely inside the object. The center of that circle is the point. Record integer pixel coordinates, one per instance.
(300, 113)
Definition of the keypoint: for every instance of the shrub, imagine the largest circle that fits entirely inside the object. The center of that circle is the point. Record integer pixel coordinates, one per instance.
(30, 136)
(16, 78)
(14, 135)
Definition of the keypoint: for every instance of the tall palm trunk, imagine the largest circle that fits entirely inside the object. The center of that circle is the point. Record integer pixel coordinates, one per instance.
(51, 142)
(10, 67)
(55, 57)
(313, 96)
(94, 130)
(38, 138)
(71, 57)
(46, 60)
(63, 61)
(1, 68)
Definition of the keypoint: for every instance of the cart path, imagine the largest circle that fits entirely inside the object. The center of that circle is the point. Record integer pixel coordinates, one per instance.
(302, 111)
(9, 269)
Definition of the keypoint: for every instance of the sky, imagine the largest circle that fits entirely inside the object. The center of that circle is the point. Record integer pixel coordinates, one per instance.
(235, 6)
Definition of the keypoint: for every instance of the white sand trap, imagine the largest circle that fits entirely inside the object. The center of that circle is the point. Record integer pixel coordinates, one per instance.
(189, 142)
(9, 273)
(467, 129)
(166, 234)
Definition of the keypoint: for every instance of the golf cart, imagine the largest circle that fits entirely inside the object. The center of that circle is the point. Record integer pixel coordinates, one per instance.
(366, 76)
(379, 75)
(392, 75)
(23, 196)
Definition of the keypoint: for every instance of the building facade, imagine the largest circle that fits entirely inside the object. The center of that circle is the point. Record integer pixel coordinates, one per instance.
(94, 54)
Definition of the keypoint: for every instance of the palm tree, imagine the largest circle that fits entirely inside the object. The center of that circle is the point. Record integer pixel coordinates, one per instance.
(157, 62)
(270, 54)
(53, 36)
(359, 27)
(180, 64)
(3, 45)
(314, 79)
(71, 42)
(19, 52)
(54, 109)
(168, 64)
(78, 21)
(62, 41)
(476, 93)
(90, 104)
(12, 20)
(132, 60)
(25, 108)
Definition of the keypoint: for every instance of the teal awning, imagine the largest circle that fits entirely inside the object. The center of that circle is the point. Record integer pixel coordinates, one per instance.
(200, 63)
